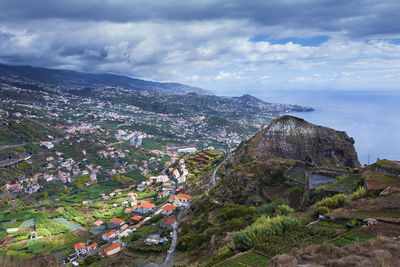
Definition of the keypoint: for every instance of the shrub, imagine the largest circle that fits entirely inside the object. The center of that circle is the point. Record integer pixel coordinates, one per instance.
(321, 210)
(350, 224)
(337, 201)
(263, 228)
(270, 208)
(283, 210)
(46, 227)
(359, 193)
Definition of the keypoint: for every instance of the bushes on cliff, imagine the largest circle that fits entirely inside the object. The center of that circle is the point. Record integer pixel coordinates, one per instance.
(269, 209)
(334, 202)
(263, 228)
(359, 193)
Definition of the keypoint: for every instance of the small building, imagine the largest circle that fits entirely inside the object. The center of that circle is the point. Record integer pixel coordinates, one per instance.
(136, 219)
(110, 235)
(180, 199)
(153, 240)
(80, 250)
(115, 222)
(108, 251)
(91, 247)
(168, 209)
(98, 222)
(144, 207)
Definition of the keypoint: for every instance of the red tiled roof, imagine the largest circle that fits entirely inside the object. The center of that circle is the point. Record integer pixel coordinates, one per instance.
(98, 223)
(183, 196)
(112, 247)
(170, 220)
(168, 207)
(136, 218)
(109, 233)
(80, 245)
(116, 220)
(93, 246)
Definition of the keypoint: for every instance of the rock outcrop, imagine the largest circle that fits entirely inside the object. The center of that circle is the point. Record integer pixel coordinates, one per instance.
(292, 138)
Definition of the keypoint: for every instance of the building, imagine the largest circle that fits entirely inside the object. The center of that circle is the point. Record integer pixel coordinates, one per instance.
(180, 199)
(110, 235)
(168, 209)
(108, 251)
(80, 250)
(187, 150)
(115, 222)
(153, 240)
(143, 208)
(135, 219)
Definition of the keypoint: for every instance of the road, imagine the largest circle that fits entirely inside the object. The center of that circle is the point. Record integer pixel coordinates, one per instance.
(171, 251)
(8, 162)
(213, 179)
(55, 140)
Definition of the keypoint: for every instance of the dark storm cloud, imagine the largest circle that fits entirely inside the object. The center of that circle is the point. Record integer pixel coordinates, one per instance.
(355, 18)
(212, 43)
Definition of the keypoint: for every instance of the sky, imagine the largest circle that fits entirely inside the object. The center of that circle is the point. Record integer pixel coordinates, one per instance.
(227, 47)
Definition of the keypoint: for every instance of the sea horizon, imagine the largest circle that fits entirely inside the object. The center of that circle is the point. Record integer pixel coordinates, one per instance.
(371, 118)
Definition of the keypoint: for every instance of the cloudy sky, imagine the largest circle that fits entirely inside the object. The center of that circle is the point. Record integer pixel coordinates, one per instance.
(228, 47)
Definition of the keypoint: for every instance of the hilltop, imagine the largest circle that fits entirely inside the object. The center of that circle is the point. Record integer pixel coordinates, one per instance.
(74, 79)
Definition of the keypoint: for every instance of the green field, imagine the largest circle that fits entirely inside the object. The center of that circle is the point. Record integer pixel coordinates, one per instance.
(71, 226)
(345, 184)
(297, 174)
(253, 259)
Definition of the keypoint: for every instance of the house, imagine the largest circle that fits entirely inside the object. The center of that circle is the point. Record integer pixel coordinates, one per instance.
(166, 187)
(132, 195)
(144, 207)
(110, 235)
(141, 187)
(92, 247)
(168, 209)
(181, 179)
(135, 219)
(163, 194)
(98, 223)
(153, 240)
(137, 226)
(176, 174)
(162, 179)
(124, 203)
(169, 222)
(127, 210)
(80, 250)
(180, 199)
(48, 145)
(133, 203)
(108, 251)
(115, 222)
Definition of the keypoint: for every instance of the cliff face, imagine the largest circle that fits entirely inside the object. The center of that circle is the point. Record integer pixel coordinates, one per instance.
(292, 138)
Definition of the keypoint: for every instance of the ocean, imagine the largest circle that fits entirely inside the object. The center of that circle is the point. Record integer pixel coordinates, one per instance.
(372, 118)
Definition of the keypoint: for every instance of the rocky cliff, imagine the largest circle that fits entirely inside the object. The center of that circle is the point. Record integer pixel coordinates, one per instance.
(292, 138)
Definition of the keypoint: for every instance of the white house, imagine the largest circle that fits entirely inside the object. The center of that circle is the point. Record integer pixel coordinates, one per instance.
(110, 235)
(80, 249)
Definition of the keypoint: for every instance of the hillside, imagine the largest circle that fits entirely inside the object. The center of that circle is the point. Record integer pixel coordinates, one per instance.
(72, 79)
(292, 138)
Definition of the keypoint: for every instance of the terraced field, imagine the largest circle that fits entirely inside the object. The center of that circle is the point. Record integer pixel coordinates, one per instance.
(249, 259)
(297, 173)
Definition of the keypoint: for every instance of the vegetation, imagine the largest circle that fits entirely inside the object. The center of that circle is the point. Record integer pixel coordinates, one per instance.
(263, 229)
(359, 193)
(44, 226)
(334, 202)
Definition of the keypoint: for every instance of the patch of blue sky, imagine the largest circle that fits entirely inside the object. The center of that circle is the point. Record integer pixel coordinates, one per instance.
(304, 41)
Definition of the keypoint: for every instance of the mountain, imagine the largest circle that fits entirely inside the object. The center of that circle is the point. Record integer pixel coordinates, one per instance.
(74, 79)
(261, 161)
(292, 138)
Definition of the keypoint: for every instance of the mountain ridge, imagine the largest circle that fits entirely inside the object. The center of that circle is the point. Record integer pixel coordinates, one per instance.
(70, 78)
